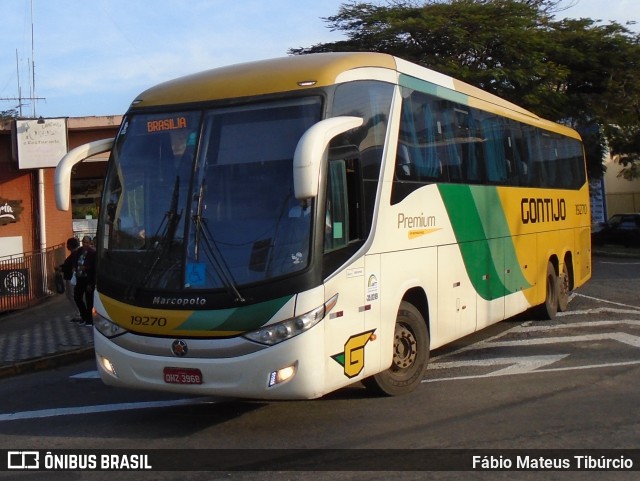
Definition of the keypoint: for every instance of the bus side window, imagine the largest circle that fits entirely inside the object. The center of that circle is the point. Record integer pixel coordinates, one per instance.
(403, 163)
(520, 173)
(494, 150)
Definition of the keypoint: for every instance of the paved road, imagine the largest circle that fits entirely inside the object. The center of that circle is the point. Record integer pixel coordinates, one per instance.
(566, 384)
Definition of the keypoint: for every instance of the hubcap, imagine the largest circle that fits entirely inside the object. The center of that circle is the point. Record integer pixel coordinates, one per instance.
(404, 347)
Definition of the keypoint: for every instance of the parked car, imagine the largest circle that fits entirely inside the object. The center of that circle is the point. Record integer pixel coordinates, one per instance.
(619, 229)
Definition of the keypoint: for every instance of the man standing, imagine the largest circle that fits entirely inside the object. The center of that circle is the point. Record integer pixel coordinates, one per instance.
(67, 269)
(85, 269)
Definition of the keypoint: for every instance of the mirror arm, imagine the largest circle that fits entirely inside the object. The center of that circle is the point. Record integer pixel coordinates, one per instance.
(62, 179)
(312, 150)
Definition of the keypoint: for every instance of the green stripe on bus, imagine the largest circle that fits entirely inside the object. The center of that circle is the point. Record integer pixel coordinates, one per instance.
(483, 235)
(433, 89)
(246, 318)
(496, 226)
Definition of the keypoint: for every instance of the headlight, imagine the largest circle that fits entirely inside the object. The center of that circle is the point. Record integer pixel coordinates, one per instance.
(107, 328)
(281, 331)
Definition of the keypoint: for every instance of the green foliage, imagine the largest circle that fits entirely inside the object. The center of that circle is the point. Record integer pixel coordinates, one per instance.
(8, 114)
(624, 140)
(574, 71)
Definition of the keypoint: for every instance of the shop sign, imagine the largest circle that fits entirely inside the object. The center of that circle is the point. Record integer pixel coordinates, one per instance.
(14, 282)
(40, 143)
(10, 211)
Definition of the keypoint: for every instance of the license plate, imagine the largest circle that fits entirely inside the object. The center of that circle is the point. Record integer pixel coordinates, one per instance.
(182, 375)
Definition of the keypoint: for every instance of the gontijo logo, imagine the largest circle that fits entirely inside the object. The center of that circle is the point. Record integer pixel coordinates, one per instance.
(538, 209)
(352, 359)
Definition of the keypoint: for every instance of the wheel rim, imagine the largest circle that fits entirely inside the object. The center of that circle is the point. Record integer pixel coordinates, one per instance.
(404, 347)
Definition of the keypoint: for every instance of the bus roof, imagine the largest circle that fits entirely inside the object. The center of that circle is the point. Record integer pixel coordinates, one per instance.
(301, 72)
(261, 77)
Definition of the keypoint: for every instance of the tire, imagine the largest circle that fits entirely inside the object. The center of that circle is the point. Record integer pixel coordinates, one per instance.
(548, 310)
(410, 355)
(564, 289)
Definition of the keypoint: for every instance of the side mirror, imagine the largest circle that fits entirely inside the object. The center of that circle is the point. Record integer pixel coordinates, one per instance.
(312, 149)
(62, 179)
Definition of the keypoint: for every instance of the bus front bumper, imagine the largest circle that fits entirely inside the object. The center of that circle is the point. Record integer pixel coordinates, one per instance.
(293, 369)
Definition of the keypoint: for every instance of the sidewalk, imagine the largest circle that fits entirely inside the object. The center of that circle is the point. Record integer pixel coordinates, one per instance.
(615, 251)
(41, 337)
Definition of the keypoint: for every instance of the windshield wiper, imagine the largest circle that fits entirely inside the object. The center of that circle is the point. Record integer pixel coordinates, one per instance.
(212, 251)
(162, 242)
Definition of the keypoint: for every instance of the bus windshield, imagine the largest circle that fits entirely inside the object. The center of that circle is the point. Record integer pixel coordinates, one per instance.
(204, 199)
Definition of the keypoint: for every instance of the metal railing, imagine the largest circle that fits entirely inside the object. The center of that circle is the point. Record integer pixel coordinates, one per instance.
(26, 279)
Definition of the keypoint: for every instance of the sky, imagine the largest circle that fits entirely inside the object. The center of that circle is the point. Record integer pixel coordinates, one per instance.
(92, 57)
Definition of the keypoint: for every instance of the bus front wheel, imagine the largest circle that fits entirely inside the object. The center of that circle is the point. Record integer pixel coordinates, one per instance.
(410, 355)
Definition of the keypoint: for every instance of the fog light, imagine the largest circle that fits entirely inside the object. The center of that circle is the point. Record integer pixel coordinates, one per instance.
(282, 375)
(108, 366)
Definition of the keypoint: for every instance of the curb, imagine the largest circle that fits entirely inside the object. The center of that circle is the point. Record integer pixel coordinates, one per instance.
(48, 362)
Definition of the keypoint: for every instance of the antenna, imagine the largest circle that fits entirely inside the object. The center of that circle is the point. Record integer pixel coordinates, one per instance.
(33, 68)
(32, 97)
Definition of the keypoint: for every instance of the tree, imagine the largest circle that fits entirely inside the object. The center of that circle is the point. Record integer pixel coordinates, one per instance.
(602, 88)
(8, 114)
(575, 72)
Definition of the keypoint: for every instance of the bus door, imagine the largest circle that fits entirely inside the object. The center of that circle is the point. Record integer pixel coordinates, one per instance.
(345, 333)
(348, 338)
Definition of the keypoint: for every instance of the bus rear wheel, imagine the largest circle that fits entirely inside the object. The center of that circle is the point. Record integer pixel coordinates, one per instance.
(564, 288)
(410, 355)
(548, 310)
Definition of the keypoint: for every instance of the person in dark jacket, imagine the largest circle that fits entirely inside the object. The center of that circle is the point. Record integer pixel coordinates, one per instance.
(66, 268)
(84, 263)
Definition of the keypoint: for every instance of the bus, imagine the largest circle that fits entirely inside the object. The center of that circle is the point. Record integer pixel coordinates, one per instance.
(281, 229)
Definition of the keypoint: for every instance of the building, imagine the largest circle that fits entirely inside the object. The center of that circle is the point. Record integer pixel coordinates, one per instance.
(32, 230)
(622, 196)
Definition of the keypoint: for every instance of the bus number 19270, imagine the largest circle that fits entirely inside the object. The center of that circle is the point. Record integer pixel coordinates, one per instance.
(148, 321)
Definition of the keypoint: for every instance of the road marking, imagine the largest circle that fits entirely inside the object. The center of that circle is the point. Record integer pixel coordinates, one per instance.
(609, 336)
(492, 342)
(557, 369)
(620, 263)
(605, 301)
(86, 375)
(598, 310)
(536, 364)
(530, 327)
(516, 365)
(102, 408)
(528, 365)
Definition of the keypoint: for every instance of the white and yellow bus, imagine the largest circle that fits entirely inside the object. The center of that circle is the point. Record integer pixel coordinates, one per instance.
(283, 228)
